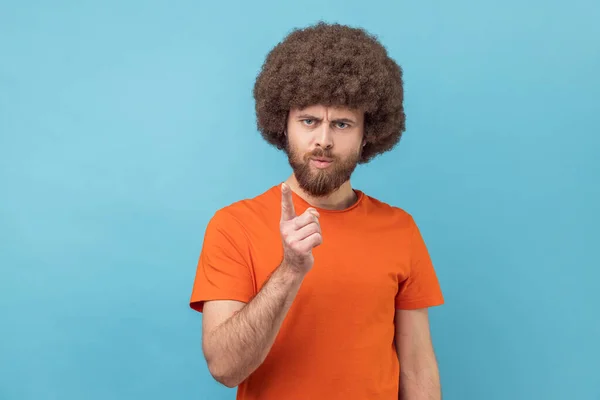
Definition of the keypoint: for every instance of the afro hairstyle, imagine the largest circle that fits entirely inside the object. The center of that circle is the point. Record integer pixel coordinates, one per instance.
(331, 65)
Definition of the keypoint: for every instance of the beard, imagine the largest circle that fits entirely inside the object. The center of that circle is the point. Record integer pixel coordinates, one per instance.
(321, 182)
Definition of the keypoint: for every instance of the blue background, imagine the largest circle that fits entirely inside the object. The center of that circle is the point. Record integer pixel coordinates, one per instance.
(125, 125)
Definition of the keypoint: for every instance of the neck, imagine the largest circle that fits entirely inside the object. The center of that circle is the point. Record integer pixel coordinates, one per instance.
(340, 199)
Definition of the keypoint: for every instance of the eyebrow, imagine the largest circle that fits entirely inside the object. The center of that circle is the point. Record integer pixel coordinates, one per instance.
(308, 116)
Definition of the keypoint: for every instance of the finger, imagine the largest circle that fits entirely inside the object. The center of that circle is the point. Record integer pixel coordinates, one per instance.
(287, 205)
(306, 231)
(305, 219)
(312, 241)
(313, 212)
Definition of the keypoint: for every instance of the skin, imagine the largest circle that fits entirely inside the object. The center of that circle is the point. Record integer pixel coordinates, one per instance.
(237, 336)
(336, 130)
(419, 374)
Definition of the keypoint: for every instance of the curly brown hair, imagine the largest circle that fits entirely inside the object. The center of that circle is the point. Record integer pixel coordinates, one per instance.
(332, 65)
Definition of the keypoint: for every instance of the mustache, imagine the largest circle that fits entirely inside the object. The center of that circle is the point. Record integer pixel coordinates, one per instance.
(319, 152)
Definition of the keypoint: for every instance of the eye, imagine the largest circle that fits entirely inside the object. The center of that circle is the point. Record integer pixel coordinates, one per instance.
(341, 125)
(308, 122)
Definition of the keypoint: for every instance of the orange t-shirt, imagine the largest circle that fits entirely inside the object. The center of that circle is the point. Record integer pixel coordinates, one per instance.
(337, 340)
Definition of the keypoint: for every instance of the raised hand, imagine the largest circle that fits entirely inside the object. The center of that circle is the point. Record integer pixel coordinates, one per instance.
(299, 234)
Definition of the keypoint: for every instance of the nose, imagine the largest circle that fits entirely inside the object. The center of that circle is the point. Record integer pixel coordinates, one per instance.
(324, 137)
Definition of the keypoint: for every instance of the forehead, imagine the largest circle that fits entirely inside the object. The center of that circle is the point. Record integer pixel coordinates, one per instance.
(330, 112)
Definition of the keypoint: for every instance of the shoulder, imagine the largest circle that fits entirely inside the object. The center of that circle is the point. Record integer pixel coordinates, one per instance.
(380, 209)
(248, 210)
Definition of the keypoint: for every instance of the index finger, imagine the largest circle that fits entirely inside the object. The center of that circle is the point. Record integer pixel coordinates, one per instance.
(287, 205)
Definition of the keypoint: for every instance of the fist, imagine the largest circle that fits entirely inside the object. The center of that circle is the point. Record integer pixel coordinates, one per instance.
(299, 234)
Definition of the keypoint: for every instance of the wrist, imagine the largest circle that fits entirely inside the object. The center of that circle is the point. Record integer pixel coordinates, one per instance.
(292, 272)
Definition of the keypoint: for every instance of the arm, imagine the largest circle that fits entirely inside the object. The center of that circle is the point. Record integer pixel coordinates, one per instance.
(235, 345)
(419, 375)
(238, 337)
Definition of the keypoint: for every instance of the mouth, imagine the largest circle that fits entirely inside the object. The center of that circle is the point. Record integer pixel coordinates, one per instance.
(321, 162)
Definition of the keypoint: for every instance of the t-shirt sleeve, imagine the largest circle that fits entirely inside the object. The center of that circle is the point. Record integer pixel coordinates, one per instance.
(421, 287)
(223, 270)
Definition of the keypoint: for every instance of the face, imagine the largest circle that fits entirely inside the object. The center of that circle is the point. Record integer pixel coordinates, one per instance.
(324, 146)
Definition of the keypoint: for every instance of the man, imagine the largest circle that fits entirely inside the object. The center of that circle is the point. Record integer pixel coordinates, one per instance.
(313, 289)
